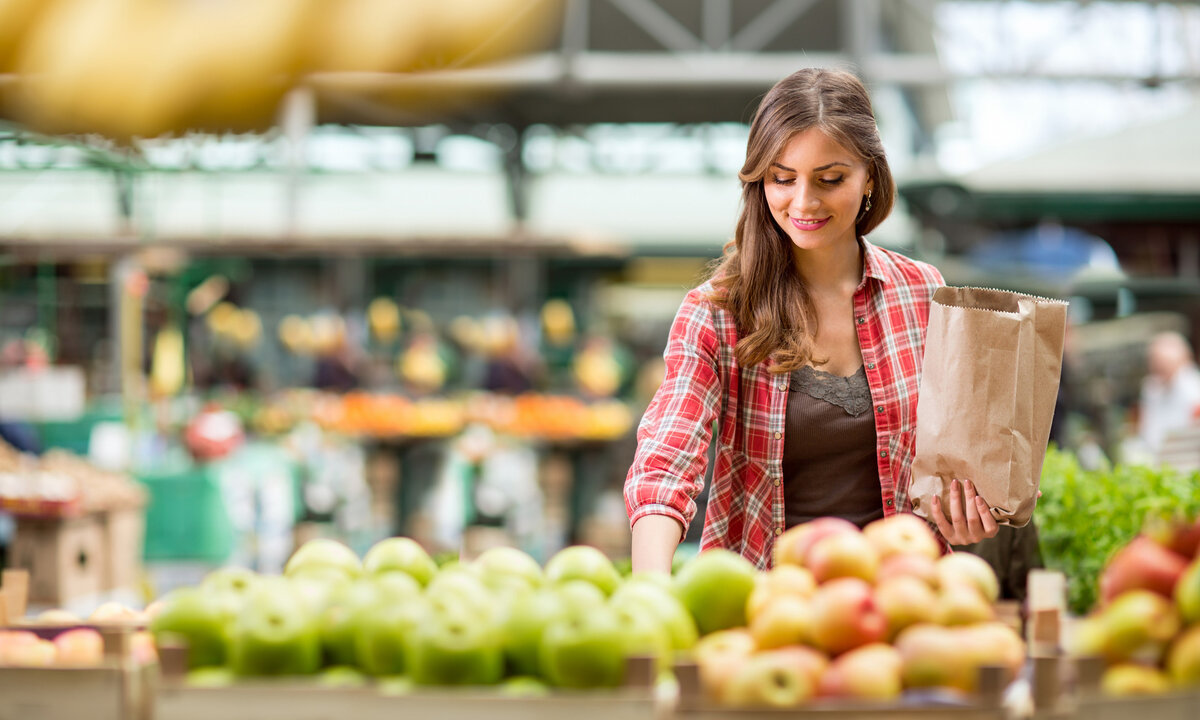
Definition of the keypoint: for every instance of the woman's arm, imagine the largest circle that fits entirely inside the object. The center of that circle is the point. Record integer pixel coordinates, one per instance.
(655, 538)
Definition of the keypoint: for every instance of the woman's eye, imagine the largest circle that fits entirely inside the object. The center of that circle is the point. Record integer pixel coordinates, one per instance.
(833, 181)
(782, 181)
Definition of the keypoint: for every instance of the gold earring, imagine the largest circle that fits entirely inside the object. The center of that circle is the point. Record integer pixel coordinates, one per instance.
(868, 205)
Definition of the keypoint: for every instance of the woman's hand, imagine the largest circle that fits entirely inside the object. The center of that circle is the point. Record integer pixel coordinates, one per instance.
(970, 519)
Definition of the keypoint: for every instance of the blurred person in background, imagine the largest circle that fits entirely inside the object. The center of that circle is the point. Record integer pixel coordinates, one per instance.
(1170, 395)
(804, 349)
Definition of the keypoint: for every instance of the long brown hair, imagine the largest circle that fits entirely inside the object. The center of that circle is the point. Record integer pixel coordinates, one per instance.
(755, 279)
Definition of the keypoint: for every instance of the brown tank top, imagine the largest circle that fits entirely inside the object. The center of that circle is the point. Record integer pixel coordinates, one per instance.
(829, 449)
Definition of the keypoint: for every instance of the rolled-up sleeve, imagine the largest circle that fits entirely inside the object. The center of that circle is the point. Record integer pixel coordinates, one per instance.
(672, 450)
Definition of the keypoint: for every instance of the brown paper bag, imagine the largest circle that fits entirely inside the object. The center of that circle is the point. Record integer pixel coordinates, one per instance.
(988, 387)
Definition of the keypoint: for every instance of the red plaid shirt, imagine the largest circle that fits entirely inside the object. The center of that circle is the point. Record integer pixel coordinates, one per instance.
(705, 385)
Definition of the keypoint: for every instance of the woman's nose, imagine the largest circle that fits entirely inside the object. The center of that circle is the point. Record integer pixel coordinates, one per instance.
(805, 196)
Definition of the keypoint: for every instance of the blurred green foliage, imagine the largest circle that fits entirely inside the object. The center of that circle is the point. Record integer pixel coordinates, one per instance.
(1084, 516)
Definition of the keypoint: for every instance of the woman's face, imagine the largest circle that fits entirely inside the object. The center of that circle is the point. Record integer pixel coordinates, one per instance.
(815, 189)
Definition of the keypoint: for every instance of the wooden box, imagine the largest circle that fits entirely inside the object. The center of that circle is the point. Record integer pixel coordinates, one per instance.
(64, 557)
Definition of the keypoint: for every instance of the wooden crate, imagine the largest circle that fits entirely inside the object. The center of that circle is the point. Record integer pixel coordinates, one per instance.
(302, 700)
(117, 689)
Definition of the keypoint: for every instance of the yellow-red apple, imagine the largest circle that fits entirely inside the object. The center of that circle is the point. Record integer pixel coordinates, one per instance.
(870, 672)
(845, 616)
(902, 534)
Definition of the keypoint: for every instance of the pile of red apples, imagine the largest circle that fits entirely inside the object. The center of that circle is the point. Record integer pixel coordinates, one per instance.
(862, 615)
(1146, 625)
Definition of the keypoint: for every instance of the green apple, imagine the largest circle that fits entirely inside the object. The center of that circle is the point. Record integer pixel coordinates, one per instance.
(644, 634)
(382, 633)
(521, 686)
(583, 562)
(400, 554)
(584, 648)
(526, 621)
(210, 677)
(663, 606)
(508, 567)
(324, 557)
(580, 594)
(238, 581)
(276, 633)
(341, 676)
(198, 619)
(714, 587)
(456, 646)
(338, 621)
(462, 585)
(315, 589)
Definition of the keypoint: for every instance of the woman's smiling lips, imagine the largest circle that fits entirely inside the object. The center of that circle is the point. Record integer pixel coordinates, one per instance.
(809, 224)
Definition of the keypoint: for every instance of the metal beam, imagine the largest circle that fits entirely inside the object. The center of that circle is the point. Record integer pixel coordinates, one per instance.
(659, 24)
(770, 22)
(717, 23)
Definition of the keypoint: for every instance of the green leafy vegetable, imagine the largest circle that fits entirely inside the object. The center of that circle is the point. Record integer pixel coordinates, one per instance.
(1084, 516)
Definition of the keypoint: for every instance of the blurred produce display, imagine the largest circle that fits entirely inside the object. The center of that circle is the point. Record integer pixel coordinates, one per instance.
(1146, 624)
(144, 68)
(60, 484)
(1085, 516)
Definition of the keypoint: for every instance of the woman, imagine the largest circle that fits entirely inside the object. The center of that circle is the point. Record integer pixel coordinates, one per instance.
(804, 348)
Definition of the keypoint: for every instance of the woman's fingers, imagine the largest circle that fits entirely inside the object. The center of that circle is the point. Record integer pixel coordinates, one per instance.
(971, 510)
(939, 519)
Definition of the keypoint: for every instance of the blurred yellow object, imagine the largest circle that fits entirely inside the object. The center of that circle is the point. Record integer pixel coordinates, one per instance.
(422, 367)
(558, 322)
(246, 328)
(467, 333)
(597, 372)
(383, 317)
(16, 18)
(328, 332)
(295, 334)
(366, 36)
(143, 68)
(167, 369)
(222, 318)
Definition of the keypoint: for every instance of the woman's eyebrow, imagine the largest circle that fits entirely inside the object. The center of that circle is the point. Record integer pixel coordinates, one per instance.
(785, 168)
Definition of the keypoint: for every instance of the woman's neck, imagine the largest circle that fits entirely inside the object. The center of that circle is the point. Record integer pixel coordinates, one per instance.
(832, 269)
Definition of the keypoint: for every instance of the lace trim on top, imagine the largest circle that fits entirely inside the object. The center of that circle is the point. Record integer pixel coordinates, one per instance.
(851, 394)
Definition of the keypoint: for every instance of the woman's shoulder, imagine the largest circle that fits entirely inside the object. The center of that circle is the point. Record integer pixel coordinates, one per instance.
(904, 269)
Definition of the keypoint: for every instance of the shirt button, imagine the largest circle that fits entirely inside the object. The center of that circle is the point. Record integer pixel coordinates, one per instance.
(870, 366)
(778, 482)
(889, 503)
(778, 531)
(879, 408)
(778, 435)
(861, 319)
(883, 453)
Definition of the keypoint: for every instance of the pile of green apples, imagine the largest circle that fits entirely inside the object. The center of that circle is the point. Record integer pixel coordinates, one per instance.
(1146, 625)
(844, 613)
(394, 615)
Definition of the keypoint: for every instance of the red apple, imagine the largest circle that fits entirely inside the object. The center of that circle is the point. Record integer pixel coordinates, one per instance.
(1142, 564)
(905, 600)
(845, 616)
(769, 680)
(843, 555)
(81, 646)
(963, 566)
(781, 580)
(934, 656)
(916, 566)
(791, 548)
(718, 656)
(871, 672)
(784, 620)
(902, 534)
